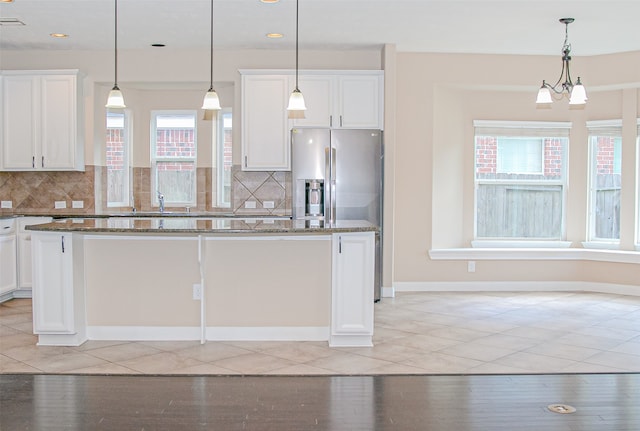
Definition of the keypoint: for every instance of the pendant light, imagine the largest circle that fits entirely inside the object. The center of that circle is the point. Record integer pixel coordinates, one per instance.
(296, 106)
(575, 92)
(115, 99)
(211, 100)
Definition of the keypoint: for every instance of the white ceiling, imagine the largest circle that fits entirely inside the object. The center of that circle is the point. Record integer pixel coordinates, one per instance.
(460, 26)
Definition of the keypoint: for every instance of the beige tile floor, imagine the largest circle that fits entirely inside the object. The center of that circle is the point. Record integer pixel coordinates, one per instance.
(415, 333)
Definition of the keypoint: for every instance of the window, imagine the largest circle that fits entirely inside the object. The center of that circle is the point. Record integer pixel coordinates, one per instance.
(520, 180)
(223, 145)
(605, 180)
(117, 159)
(173, 157)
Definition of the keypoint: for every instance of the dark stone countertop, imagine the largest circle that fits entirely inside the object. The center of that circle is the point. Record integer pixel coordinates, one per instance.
(196, 225)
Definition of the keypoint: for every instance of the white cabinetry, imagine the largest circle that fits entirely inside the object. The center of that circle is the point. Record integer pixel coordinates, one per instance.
(58, 294)
(25, 268)
(353, 265)
(41, 121)
(334, 99)
(265, 127)
(8, 279)
(346, 100)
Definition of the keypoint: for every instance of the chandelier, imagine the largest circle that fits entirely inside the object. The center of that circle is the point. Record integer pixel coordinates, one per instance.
(564, 86)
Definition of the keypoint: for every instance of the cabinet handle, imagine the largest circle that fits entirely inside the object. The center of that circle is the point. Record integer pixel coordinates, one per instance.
(341, 121)
(330, 120)
(63, 244)
(245, 162)
(33, 162)
(43, 161)
(340, 244)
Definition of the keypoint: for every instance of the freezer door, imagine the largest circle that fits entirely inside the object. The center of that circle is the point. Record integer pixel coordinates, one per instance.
(358, 174)
(307, 163)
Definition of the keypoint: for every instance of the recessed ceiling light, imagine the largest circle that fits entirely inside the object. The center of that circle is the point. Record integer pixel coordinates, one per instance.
(274, 35)
(6, 1)
(158, 45)
(269, 1)
(59, 35)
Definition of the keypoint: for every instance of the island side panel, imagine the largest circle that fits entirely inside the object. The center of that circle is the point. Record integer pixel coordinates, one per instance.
(141, 281)
(272, 281)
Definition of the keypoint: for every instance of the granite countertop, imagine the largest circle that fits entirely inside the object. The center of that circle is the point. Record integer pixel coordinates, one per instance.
(194, 225)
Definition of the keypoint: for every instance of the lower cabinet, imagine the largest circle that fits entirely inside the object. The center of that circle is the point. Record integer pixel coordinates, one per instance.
(58, 294)
(352, 293)
(8, 278)
(25, 268)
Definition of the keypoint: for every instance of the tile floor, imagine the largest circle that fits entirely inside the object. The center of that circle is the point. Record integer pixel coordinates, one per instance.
(415, 333)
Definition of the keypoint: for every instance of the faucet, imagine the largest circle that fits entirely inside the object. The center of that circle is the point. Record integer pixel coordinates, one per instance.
(161, 201)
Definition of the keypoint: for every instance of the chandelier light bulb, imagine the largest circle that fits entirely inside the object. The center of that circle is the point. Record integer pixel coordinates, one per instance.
(578, 94)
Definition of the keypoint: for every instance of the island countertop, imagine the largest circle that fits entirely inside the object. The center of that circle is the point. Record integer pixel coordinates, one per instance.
(209, 225)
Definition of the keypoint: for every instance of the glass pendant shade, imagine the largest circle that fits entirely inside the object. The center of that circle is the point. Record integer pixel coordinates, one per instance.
(296, 101)
(115, 99)
(544, 96)
(578, 94)
(211, 100)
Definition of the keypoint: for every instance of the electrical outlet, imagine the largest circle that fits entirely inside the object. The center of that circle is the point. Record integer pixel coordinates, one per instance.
(197, 292)
(471, 266)
(250, 204)
(60, 205)
(268, 204)
(77, 204)
(6, 204)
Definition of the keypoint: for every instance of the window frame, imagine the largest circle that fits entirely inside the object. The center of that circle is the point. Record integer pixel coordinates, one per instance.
(126, 162)
(524, 129)
(219, 156)
(598, 129)
(155, 159)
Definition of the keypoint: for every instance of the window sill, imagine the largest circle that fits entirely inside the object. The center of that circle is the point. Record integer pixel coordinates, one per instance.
(483, 243)
(535, 253)
(601, 245)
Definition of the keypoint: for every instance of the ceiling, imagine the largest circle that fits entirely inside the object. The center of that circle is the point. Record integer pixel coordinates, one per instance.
(456, 26)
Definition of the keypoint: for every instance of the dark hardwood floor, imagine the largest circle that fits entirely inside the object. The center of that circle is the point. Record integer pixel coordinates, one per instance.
(453, 403)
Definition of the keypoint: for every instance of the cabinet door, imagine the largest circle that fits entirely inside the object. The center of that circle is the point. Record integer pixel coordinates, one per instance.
(265, 128)
(8, 279)
(52, 284)
(20, 122)
(58, 122)
(318, 91)
(360, 102)
(353, 289)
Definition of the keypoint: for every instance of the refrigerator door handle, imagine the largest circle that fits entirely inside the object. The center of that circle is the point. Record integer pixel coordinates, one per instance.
(329, 184)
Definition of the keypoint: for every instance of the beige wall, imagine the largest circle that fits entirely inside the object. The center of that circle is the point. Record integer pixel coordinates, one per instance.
(438, 97)
(431, 101)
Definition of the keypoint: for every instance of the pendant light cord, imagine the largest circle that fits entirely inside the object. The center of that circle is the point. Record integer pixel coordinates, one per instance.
(115, 38)
(297, 46)
(211, 48)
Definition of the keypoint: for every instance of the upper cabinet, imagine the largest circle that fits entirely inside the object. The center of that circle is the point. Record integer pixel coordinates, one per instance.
(334, 99)
(345, 100)
(265, 127)
(41, 121)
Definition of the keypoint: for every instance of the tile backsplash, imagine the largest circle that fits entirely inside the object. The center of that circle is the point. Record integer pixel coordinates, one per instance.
(37, 192)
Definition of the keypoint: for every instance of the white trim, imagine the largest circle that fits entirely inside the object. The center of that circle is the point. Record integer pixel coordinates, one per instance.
(522, 124)
(351, 341)
(214, 333)
(601, 245)
(616, 256)
(61, 339)
(388, 292)
(516, 286)
(498, 243)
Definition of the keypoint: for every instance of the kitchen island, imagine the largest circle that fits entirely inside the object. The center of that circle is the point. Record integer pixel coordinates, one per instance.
(190, 278)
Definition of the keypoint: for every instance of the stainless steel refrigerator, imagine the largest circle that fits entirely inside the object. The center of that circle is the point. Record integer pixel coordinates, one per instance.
(337, 174)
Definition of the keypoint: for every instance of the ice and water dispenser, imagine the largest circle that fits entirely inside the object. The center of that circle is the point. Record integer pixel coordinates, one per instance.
(314, 198)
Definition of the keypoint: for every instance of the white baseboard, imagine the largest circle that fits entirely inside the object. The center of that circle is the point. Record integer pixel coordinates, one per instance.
(515, 286)
(191, 333)
(388, 292)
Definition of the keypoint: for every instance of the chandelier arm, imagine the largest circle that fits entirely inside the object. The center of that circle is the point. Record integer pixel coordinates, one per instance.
(554, 87)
